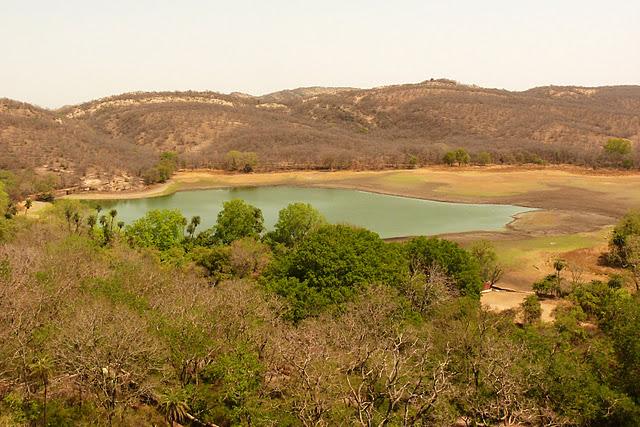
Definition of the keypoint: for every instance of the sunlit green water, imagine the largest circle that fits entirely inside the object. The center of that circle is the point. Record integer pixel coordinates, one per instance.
(389, 216)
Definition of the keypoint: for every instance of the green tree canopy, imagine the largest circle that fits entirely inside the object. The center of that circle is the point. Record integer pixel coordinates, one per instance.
(449, 158)
(241, 160)
(457, 262)
(4, 199)
(295, 222)
(618, 146)
(459, 156)
(628, 226)
(161, 229)
(531, 309)
(462, 157)
(238, 219)
(330, 264)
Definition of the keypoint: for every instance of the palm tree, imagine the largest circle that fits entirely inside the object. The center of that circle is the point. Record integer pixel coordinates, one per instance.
(77, 220)
(195, 220)
(91, 221)
(191, 228)
(558, 266)
(120, 225)
(68, 214)
(173, 406)
(42, 367)
(27, 205)
(112, 213)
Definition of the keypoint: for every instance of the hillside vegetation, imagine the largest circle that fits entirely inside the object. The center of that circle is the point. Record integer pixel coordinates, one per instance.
(322, 128)
(312, 324)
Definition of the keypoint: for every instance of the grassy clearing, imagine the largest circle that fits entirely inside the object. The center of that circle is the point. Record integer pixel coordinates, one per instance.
(514, 252)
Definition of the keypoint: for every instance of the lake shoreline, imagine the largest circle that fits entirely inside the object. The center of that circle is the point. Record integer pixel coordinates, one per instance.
(387, 215)
(568, 199)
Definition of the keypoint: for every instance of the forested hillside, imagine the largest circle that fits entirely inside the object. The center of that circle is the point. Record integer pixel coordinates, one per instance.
(395, 126)
(159, 322)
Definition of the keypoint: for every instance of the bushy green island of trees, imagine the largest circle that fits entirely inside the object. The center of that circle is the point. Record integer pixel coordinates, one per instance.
(310, 324)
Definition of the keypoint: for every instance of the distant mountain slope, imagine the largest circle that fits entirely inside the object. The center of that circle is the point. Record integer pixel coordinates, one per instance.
(35, 138)
(322, 127)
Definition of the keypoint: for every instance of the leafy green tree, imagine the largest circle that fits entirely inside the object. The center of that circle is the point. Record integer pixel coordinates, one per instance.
(628, 226)
(4, 199)
(238, 219)
(632, 258)
(618, 146)
(456, 262)
(163, 170)
(621, 321)
(330, 265)
(295, 222)
(547, 287)
(449, 158)
(490, 269)
(459, 156)
(551, 285)
(531, 309)
(484, 158)
(462, 157)
(161, 229)
(244, 161)
(5, 213)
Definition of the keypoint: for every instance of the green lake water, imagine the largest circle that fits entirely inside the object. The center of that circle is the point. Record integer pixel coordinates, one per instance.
(389, 216)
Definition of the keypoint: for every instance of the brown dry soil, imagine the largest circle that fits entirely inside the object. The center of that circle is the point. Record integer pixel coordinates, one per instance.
(577, 209)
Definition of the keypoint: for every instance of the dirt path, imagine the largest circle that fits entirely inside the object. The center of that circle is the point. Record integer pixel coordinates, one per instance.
(501, 301)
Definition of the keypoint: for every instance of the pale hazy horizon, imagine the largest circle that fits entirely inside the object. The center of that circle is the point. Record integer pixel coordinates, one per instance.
(57, 53)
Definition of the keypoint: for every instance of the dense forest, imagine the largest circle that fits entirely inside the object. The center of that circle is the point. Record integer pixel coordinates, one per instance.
(158, 322)
(116, 141)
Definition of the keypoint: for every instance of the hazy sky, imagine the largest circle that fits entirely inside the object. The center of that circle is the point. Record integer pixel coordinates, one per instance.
(62, 52)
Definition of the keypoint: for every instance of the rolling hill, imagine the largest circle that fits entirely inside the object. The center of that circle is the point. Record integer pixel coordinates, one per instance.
(390, 126)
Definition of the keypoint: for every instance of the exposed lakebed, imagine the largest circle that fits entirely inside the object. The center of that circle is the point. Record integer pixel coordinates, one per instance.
(387, 215)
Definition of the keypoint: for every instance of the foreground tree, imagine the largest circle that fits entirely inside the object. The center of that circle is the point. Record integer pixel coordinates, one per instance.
(238, 219)
(456, 262)
(490, 269)
(161, 229)
(330, 265)
(632, 258)
(531, 309)
(295, 222)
